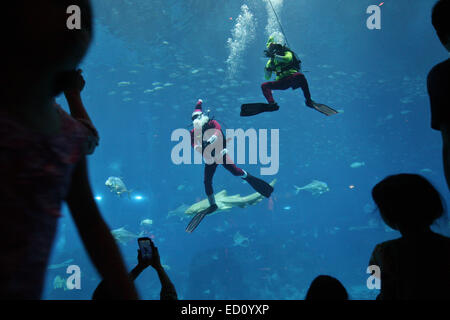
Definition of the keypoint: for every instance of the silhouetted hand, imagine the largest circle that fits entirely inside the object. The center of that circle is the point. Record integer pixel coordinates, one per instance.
(142, 263)
(155, 261)
(74, 81)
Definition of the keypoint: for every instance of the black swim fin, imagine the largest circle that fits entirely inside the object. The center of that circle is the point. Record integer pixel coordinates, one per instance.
(251, 109)
(199, 217)
(322, 108)
(259, 185)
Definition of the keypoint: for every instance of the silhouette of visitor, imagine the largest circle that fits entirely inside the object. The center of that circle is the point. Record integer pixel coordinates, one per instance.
(72, 83)
(168, 291)
(42, 150)
(438, 83)
(326, 287)
(417, 265)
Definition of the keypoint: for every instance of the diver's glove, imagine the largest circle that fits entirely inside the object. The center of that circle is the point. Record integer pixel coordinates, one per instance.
(269, 54)
(212, 139)
(224, 151)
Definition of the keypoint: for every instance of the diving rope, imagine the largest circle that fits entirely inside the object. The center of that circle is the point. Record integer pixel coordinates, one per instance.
(279, 23)
(281, 27)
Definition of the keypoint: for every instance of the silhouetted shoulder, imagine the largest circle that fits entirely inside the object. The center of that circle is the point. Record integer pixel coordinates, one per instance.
(414, 268)
(438, 82)
(429, 240)
(381, 250)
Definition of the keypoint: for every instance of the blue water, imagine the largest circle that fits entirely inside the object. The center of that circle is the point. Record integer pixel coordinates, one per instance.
(376, 78)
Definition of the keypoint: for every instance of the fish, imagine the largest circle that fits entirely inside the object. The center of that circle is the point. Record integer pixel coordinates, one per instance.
(358, 228)
(146, 222)
(124, 83)
(225, 202)
(60, 265)
(116, 185)
(124, 236)
(406, 100)
(357, 165)
(59, 283)
(178, 211)
(316, 187)
(240, 240)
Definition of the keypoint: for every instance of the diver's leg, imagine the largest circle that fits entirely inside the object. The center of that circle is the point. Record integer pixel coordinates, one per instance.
(231, 167)
(210, 169)
(267, 88)
(299, 81)
(209, 173)
(259, 185)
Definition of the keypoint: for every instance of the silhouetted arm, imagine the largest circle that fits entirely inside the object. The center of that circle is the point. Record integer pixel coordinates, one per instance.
(72, 92)
(168, 291)
(136, 271)
(438, 82)
(97, 237)
(76, 106)
(101, 292)
(445, 132)
(73, 86)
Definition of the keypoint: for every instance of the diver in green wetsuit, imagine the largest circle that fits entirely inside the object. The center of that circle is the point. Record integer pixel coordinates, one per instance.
(287, 67)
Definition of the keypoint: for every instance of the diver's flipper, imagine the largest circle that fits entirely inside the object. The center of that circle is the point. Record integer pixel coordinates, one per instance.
(199, 217)
(322, 108)
(259, 185)
(251, 109)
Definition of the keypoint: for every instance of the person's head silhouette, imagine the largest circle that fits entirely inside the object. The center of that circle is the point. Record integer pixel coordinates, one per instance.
(408, 202)
(440, 19)
(40, 42)
(326, 288)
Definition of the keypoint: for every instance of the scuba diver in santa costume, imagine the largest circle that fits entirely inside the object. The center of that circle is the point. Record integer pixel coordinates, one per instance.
(287, 67)
(208, 139)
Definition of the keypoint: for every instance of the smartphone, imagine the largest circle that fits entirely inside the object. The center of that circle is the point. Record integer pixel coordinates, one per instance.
(146, 248)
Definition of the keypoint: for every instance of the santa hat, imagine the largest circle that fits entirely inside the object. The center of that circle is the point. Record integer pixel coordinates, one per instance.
(198, 108)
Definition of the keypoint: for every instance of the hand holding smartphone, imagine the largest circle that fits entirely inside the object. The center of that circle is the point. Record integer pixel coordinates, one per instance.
(145, 246)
